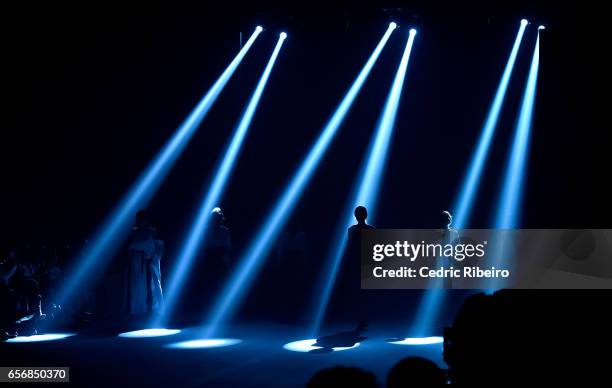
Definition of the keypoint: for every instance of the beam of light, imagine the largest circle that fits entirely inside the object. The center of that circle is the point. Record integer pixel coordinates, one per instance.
(149, 333)
(510, 202)
(428, 310)
(462, 209)
(367, 184)
(204, 343)
(308, 345)
(40, 337)
(509, 207)
(259, 247)
(196, 235)
(419, 341)
(463, 206)
(114, 229)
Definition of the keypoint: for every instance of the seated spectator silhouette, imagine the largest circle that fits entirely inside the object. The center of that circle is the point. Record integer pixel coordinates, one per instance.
(342, 376)
(415, 372)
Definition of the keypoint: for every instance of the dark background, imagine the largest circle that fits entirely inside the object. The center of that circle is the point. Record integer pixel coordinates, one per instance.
(93, 89)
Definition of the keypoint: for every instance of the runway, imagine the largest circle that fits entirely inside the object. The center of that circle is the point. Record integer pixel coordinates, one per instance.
(101, 357)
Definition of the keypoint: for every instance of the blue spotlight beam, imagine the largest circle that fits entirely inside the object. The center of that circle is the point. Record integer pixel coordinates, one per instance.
(509, 206)
(114, 229)
(432, 298)
(240, 280)
(465, 199)
(195, 236)
(369, 183)
(427, 313)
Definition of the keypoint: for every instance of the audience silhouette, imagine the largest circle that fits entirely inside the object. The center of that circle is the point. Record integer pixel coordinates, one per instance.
(342, 376)
(415, 372)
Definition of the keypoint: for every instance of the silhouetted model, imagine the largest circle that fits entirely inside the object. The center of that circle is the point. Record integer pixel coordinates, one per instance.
(449, 235)
(292, 272)
(293, 246)
(354, 301)
(354, 232)
(209, 268)
(217, 241)
(143, 277)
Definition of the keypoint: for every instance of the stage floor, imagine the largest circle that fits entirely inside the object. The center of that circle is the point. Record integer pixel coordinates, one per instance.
(101, 357)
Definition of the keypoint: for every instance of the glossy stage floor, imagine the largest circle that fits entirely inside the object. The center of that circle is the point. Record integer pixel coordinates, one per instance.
(255, 355)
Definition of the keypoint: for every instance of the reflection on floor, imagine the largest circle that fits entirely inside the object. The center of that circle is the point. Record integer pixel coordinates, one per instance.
(252, 355)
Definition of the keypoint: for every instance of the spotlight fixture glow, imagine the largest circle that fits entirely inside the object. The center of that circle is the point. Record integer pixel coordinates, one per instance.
(204, 343)
(466, 196)
(212, 195)
(413, 31)
(393, 25)
(542, 28)
(419, 341)
(40, 337)
(257, 251)
(115, 228)
(259, 28)
(283, 35)
(367, 184)
(149, 333)
(308, 345)
(524, 22)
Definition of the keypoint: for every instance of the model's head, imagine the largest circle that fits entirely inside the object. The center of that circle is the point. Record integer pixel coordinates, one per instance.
(361, 213)
(142, 218)
(217, 216)
(447, 218)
